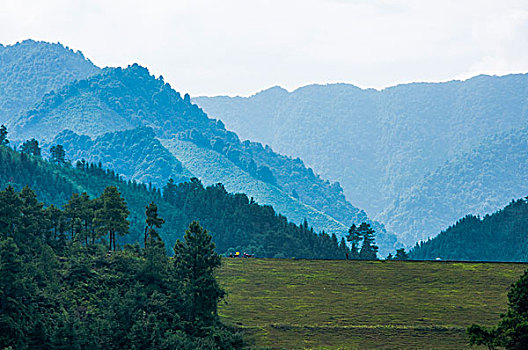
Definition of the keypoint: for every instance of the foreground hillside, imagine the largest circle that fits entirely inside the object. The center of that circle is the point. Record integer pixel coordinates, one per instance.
(382, 145)
(363, 305)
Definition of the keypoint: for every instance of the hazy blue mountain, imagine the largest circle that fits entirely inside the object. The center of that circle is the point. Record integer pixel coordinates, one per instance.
(30, 69)
(477, 182)
(135, 154)
(124, 99)
(380, 145)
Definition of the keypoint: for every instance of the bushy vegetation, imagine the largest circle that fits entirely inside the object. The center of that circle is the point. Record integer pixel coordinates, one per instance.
(512, 330)
(235, 221)
(497, 237)
(58, 292)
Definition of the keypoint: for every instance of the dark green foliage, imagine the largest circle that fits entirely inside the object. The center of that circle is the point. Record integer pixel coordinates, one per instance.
(196, 261)
(497, 237)
(153, 221)
(31, 147)
(3, 135)
(58, 154)
(236, 222)
(135, 154)
(401, 254)
(354, 238)
(240, 224)
(512, 330)
(365, 236)
(369, 249)
(111, 217)
(70, 296)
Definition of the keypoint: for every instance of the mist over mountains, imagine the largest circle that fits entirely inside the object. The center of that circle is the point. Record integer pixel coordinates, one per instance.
(417, 156)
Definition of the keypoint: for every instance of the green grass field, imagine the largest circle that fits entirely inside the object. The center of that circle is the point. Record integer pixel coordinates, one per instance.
(317, 304)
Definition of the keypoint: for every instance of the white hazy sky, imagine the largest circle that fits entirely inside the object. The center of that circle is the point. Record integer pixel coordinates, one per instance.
(238, 47)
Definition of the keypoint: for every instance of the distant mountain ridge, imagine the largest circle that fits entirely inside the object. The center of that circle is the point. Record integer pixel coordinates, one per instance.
(108, 107)
(380, 145)
(30, 69)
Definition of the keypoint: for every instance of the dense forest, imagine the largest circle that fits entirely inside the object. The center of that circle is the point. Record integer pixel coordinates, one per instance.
(119, 99)
(236, 222)
(500, 236)
(383, 145)
(61, 287)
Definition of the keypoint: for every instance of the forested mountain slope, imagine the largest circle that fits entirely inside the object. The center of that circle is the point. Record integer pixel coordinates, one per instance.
(138, 154)
(379, 144)
(500, 236)
(134, 153)
(30, 69)
(123, 99)
(235, 221)
(476, 182)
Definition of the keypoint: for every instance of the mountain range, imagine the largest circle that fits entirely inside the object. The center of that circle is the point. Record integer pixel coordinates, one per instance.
(416, 157)
(139, 126)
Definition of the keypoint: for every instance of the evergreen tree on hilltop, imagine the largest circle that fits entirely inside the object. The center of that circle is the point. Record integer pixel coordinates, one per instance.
(152, 220)
(369, 250)
(401, 254)
(196, 260)
(31, 147)
(354, 238)
(3, 135)
(111, 218)
(58, 154)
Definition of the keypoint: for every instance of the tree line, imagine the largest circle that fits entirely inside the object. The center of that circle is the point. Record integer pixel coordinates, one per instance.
(236, 222)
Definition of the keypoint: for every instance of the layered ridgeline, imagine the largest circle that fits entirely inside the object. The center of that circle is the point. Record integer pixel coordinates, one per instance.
(236, 222)
(119, 100)
(29, 70)
(500, 236)
(476, 182)
(382, 145)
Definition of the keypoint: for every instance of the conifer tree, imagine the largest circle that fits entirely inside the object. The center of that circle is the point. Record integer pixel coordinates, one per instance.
(58, 154)
(401, 254)
(152, 220)
(31, 147)
(72, 211)
(10, 211)
(354, 238)
(3, 135)
(33, 221)
(369, 250)
(195, 260)
(111, 218)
